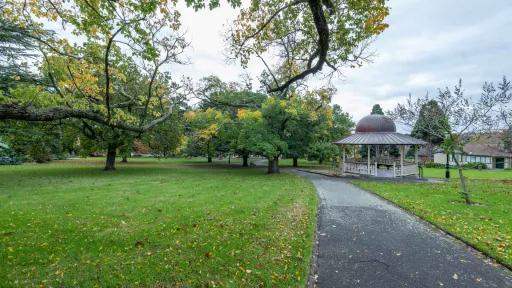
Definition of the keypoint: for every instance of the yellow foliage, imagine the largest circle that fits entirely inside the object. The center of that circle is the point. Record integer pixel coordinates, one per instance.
(190, 115)
(209, 132)
(247, 114)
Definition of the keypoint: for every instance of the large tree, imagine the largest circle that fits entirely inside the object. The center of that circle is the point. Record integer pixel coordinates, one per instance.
(259, 136)
(429, 110)
(205, 131)
(461, 118)
(305, 35)
(116, 44)
(308, 122)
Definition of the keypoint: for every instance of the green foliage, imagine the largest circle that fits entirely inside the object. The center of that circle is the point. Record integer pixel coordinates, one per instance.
(266, 23)
(38, 142)
(205, 127)
(166, 139)
(475, 165)
(15, 47)
(430, 112)
(257, 136)
(342, 123)
(227, 97)
(377, 110)
(109, 79)
(322, 151)
(432, 164)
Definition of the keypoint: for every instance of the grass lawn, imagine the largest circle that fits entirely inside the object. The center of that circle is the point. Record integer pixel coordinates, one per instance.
(469, 173)
(487, 226)
(157, 223)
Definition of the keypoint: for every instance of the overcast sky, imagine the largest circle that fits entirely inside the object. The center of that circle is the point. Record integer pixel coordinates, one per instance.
(428, 45)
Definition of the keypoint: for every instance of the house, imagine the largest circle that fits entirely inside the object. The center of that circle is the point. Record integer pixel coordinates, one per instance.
(487, 149)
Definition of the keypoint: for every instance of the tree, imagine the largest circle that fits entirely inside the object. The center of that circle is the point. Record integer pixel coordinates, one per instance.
(505, 115)
(322, 151)
(204, 135)
(427, 111)
(461, 118)
(377, 110)
(167, 138)
(305, 35)
(258, 137)
(309, 120)
(338, 126)
(227, 97)
(39, 143)
(92, 79)
(14, 48)
(342, 123)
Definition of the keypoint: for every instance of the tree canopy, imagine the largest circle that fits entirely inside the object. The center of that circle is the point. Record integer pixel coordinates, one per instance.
(377, 110)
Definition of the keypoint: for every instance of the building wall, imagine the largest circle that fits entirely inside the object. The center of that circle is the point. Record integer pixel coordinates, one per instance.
(488, 160)
(440, 158)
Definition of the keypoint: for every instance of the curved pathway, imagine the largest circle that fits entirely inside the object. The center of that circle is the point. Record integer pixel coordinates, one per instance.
(366, 242)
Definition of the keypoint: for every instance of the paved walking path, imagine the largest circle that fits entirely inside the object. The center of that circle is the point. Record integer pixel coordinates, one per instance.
(366, 242)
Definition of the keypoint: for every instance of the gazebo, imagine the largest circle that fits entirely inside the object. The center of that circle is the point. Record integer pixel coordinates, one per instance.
(376, 137)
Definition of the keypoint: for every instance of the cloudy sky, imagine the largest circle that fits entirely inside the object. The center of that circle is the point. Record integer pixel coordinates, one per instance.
(429, 45)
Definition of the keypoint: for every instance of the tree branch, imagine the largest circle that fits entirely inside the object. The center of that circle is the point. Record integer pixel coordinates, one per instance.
(323, 45)
(13, 111)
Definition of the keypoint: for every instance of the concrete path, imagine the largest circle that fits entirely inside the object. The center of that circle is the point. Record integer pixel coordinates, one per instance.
(366, 242)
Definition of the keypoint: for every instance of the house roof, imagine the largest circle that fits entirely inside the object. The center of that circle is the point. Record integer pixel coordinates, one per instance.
(380, 138)
(486, 144)
(485, 150)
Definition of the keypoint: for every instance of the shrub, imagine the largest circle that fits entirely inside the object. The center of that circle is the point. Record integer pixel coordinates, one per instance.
(434, 165)
(476, 165)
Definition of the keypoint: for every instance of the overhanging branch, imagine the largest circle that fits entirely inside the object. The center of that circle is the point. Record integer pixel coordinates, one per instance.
(26, 113)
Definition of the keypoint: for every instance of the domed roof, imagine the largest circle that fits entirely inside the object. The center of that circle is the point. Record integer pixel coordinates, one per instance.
(375, 123)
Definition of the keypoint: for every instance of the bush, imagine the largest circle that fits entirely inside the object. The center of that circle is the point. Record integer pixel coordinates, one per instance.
(476, 165)
(434, 165)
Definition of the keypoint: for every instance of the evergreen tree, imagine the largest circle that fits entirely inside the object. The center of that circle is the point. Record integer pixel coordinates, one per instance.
(377, 110)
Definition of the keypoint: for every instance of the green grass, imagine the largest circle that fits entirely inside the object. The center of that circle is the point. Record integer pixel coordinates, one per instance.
(469, 173)
(153, 223)
(487, 225)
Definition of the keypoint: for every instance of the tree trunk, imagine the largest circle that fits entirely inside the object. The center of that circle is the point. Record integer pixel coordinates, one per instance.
(110, 164)
(295, 162)
(125, 159)
(273, 165)
(210, 159)
(320, 161)
(245, 160)
(463, 186)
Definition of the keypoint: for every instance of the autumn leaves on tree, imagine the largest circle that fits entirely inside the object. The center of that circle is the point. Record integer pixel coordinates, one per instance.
(104, 68)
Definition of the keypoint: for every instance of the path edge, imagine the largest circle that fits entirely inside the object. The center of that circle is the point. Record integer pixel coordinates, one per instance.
(313, 264)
